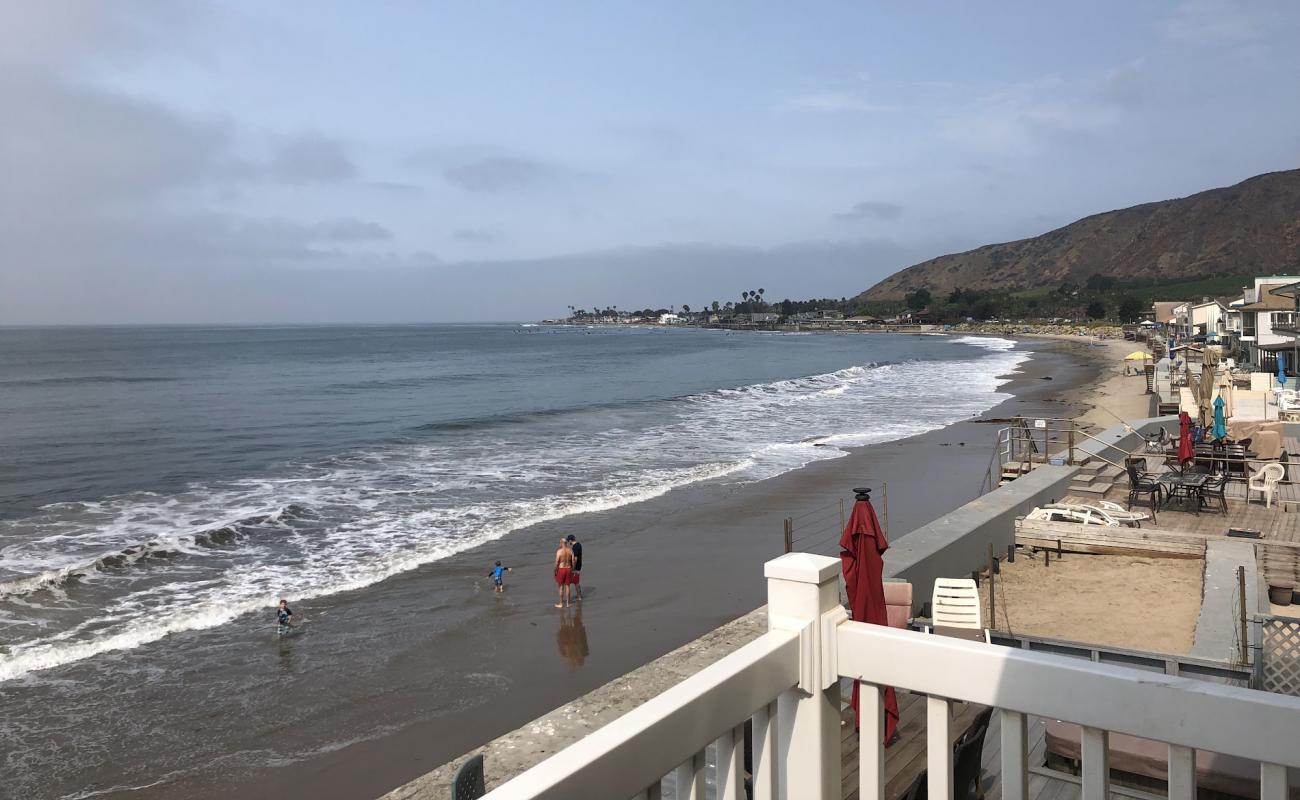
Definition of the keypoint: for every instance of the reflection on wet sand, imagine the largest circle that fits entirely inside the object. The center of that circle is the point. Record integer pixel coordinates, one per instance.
(572, 638)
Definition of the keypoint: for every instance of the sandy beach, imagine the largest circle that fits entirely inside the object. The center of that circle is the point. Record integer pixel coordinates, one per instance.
(656, 575)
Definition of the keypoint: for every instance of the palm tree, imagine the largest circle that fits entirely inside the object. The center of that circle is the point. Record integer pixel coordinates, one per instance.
(744, 296)
(716, 305)
(686, 309)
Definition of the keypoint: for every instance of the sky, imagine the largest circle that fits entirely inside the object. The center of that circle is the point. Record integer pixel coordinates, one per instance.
(296, 162)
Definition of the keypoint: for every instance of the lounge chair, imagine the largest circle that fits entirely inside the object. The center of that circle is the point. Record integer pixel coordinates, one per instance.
(1265, 481)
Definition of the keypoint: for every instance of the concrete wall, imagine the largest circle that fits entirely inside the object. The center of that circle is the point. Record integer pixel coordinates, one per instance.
(957, 543)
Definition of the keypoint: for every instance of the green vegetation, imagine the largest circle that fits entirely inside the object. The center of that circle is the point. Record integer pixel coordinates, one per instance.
(1101, 297)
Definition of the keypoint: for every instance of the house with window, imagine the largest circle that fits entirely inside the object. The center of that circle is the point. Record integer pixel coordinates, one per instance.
(1209, 318)
(1268, 317)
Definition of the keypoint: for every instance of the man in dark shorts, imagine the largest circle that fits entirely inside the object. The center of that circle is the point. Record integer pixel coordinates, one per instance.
(575, 577)
(563, 571)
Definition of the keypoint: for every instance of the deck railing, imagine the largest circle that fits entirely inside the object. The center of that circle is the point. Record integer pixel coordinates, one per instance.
(788, 683)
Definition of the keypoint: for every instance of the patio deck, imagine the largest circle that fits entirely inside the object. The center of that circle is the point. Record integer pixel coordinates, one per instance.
(1275, 524)
(905, 761)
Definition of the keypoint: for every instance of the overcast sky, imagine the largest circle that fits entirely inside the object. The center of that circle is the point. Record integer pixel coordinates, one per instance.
(332, 161)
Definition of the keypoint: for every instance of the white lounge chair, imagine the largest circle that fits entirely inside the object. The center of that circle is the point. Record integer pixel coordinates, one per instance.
(1265, 481)
(1105, 513)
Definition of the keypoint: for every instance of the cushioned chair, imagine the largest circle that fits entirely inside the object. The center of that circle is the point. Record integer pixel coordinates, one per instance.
(898, 603)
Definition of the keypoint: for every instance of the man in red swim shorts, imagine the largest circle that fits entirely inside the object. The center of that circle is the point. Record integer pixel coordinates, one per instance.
(563, 569)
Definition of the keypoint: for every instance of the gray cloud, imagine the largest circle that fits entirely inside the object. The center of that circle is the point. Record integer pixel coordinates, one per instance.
(871, 210)
(310, 158)
(490, 175)
(476, 235)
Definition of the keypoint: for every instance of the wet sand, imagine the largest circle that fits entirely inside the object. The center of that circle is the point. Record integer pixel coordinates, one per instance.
(393, 681)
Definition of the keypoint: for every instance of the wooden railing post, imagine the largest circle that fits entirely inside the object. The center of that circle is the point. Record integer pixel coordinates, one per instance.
(803, 594)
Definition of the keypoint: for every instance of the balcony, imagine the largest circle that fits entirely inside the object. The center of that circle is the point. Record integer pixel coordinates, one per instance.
(691, 741)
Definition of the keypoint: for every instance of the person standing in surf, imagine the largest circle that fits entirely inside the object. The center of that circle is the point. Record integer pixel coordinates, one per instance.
(285, 617)
(563, 571)
(575, 577)
(498, 576)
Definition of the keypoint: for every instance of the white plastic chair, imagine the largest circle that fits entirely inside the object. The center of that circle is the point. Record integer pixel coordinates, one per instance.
(1265, 481)
(955, 603)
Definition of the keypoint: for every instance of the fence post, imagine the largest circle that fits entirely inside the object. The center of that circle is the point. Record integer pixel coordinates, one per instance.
(789, 535)
(1071, 460)
(1244, 646)
(803, 595)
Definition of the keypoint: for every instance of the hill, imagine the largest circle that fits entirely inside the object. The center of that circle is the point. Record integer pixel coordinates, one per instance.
(1250, 228)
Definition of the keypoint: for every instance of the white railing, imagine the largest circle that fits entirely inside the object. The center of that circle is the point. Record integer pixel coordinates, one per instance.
(788, 683)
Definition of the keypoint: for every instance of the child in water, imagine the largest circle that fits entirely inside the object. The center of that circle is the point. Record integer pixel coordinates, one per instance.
(498, 576)
(285, 617)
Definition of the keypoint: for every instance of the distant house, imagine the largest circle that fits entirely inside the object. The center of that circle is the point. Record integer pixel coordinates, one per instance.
(669, 319)
(1209, 318)
(764, 318)
(818, 316)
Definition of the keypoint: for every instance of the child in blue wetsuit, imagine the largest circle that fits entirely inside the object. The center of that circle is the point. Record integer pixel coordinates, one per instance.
(285, 616)
(497, 575)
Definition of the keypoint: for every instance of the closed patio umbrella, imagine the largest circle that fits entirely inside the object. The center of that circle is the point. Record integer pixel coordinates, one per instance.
(1206, 394)
(1281, 370)
(861, 549)
(1185, 450)
(1220, 425)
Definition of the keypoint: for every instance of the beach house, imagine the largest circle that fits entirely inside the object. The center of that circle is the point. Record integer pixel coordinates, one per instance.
(1266, 319)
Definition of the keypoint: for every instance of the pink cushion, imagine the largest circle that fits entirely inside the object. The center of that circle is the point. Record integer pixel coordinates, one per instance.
(898, 603)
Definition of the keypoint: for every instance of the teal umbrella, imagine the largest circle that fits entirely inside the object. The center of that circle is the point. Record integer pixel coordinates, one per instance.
(1281, 370)
(1220, 427)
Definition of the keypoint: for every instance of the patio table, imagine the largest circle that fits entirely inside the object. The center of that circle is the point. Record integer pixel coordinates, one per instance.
(1186, 486)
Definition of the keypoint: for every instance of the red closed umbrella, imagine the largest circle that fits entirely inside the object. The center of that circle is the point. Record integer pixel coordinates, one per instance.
(861, 549)
(1185, 450)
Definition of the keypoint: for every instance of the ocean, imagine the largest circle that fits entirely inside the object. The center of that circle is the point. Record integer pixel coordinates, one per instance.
(156, 482)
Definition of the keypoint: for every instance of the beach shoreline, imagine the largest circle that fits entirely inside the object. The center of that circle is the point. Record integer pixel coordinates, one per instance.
(653, 584)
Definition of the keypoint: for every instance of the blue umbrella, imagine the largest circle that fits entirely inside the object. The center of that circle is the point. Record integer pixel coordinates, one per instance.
(1220, 427)
(1281, 370)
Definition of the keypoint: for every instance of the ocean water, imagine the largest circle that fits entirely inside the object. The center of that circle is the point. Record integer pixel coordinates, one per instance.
(161, 480)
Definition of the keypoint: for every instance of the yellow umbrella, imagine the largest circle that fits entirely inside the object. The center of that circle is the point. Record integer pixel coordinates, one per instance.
(1137, 355)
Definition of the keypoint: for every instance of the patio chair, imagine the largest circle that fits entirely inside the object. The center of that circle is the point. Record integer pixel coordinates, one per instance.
(967, 761)
(1142, 483)
(1156, 443)
(1234, 458)
(468, 784)
(955, 603)
(1215, 489)
(1265, 481)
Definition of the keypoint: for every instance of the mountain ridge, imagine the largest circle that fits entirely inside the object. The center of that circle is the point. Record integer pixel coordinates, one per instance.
(1251, 226)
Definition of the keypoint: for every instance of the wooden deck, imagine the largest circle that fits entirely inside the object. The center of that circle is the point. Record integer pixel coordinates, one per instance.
(905, 760)
(1276, 523)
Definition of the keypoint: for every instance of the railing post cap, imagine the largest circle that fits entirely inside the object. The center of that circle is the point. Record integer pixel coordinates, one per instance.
(802, 568)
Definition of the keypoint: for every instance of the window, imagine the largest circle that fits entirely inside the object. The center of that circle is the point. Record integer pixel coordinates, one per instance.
(1283, 319)
(1248, 324)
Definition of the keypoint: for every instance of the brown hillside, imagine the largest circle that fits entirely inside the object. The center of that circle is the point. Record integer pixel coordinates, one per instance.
(1253, 227)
